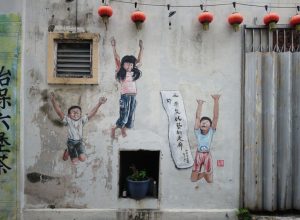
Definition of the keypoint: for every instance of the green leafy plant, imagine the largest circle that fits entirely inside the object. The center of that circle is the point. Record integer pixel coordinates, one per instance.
(243, 214)
(137, 175)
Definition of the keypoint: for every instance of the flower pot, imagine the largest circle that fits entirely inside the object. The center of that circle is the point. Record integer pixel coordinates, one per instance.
(137, 189)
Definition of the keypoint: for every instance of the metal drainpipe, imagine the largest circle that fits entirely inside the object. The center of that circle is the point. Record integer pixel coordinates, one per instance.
(76, 23)
(241, 203)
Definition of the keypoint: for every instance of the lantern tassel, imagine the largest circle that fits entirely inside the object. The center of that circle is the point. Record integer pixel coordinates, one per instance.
(236, 27)
(105, 21)
(138, 25)
(272, 26)
(205, 26)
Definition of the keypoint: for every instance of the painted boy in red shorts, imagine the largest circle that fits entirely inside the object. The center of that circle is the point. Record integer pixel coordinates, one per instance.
(204, 132)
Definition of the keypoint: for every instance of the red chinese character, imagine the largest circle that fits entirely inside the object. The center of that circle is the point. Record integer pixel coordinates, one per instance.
(220, 163)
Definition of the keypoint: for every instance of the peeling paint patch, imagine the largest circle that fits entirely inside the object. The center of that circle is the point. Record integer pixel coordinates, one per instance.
(96, 167)
(79, 174)
(108, 178)
(74, 206)
(33, 91)
(43, 188)
(38, 33)
(52, 190)
(44, 95)
(38, 177)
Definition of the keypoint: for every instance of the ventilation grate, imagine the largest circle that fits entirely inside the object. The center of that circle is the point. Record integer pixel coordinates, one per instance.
(74, 59)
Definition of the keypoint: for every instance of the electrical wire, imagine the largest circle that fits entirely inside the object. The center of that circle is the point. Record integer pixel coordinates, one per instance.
(196, 6)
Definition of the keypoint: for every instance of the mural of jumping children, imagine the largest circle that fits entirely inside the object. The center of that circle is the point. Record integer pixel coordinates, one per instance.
(75, 123)
(127, 72)
(204, 132)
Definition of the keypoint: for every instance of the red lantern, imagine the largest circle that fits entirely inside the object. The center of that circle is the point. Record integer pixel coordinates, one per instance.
(235, 19)
(271, 19)
(138, 17)
(295, 22)
(105, 12)
(205, 18)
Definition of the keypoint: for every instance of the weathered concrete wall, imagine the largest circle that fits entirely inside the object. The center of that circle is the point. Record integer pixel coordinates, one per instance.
(183, 58)
(13, 6)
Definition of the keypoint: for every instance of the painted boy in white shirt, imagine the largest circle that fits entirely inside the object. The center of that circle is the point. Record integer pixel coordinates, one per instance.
(75, 123)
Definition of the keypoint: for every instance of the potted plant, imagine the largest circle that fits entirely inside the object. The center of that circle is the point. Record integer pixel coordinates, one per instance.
(243, 214)
(137, 183)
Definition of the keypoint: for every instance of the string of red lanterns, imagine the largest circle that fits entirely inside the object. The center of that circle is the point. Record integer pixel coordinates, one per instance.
(206, 17)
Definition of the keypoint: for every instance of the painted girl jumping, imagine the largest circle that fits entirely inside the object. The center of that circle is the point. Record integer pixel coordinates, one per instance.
(127, 73)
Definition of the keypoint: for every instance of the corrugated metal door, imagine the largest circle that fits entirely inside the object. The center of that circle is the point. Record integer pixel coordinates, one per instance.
(271, 135)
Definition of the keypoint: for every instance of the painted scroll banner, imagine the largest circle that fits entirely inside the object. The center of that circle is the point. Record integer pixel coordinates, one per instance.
(178, 140)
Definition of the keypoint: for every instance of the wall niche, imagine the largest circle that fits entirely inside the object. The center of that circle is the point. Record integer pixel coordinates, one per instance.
(143, 160)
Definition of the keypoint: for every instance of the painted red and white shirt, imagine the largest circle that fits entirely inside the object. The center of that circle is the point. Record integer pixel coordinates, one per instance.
(128, 85)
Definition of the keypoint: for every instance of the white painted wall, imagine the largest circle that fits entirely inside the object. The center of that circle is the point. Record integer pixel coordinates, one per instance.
(11, 6)
(184, 58)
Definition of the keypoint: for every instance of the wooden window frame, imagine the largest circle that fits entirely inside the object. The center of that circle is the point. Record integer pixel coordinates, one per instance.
(52, 43)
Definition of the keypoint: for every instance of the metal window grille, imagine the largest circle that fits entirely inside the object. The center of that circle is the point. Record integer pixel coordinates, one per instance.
(282, 39)
(74, 59)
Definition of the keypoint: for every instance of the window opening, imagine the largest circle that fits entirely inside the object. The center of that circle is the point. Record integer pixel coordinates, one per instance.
(142, 159)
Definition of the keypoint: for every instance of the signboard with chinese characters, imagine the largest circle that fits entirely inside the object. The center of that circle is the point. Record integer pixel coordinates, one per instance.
(10, 50)
(178, 140)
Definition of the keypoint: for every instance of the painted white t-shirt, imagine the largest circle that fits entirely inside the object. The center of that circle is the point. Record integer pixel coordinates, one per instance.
(75, 127)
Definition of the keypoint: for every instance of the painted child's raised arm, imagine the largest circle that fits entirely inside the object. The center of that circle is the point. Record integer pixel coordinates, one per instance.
(56, 106)
(198, 113)
(116, 55)
(101, 101)
(216, 111)
(139, 59)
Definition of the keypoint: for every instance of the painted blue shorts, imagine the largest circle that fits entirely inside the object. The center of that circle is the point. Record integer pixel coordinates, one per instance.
(127, 108)
(75, 148)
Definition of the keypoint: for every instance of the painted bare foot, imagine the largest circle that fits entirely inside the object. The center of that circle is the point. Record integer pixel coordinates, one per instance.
(123, 132)
(113, 133)
(75, 161)
(66, 155)
(82, 157)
